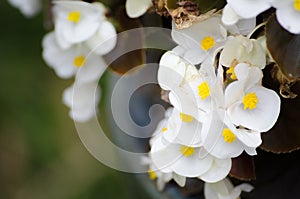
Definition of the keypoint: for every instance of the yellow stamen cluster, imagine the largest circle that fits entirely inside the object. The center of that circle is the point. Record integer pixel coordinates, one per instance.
(79, 61)
(231, 71)
(207, 43)
(152, 174)
(164, 129)
(186, 118)
(250, 101)
(204, 90)
(74, 16)
(228, 135)
(297, 5)
(187, 151)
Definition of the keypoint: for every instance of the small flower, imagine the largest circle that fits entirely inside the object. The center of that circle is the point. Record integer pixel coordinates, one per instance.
(77, 60)
(223, 140)
(288, 14)
(225, 189)
(243, 50)
(182, 129)
(29, 8)
(249, 104)
(83, 100)
(76, 21)
(194, 45)
(181, 159)
(136, 8)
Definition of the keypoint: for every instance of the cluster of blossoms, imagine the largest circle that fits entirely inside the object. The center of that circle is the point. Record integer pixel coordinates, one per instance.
(81, 36)
(213, 80)
(219, 107)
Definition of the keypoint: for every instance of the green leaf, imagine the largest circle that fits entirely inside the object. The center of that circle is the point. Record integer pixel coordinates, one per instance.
(284, 48)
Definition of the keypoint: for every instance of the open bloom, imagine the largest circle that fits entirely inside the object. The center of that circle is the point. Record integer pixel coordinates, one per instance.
(188, 161)
(194, 45)
(225, 189)
(76, 21)
(77, 60)
(182, 129)
(28, 8)
(82, 99)
(249, 104)
(288, 14)
(223, 140)
(192, 92)
(136, 8)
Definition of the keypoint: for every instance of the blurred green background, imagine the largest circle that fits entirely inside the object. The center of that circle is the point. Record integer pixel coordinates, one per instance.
(41, 155)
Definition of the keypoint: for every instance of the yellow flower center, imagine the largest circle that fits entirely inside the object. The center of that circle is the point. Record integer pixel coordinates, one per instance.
(79, 61)
(152, 174)
(74, 16)
(164, 129)
(250, 101)
(231, 71)
(187, 151)
(207, 43)
(297, 5)
(186, 118)
(203, 90)
(228, 135)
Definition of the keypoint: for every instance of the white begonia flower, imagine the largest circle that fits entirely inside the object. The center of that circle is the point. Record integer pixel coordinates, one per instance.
(182, 129)
(225, 190)
(78, 60)
(241, 49)
(288, 14)
(195, 42)
(223, 140)
(76, 21)
(136, 8)
(249, 104)
(192, 92)
(188, 161)
(28, 8)
(82, 99)
(247, 9)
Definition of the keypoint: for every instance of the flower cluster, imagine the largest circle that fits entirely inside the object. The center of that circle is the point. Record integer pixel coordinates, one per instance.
(81, 36)
(219, 106)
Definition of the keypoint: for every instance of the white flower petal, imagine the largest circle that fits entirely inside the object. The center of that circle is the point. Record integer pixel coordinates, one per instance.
(250, 139)
(29, 8)
(180, 180)
(215, 143)
(249, 8)
(218, 171)
(229, 16)
(92, 69)
(136, 8)
(192, 166)
(171, 71)
(104, 40)
(288, 17)
(259, 119)
(243, 50)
